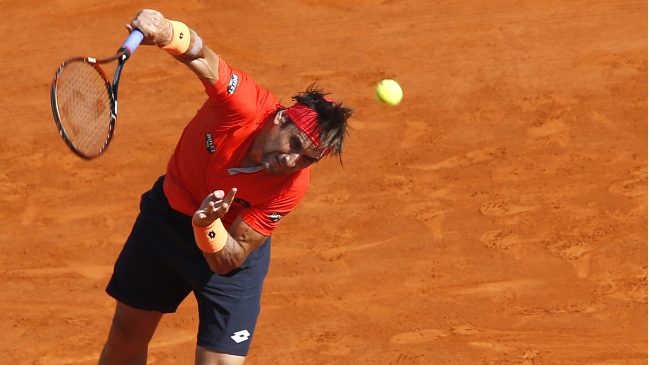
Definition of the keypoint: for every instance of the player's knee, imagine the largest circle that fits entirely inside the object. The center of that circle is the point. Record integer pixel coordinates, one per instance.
(210, 357)
(124, 335)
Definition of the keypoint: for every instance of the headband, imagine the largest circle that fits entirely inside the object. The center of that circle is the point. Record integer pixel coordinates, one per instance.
(306, 120)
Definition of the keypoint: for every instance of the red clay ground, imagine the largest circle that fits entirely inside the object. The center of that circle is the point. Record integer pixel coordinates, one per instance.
(497, 216)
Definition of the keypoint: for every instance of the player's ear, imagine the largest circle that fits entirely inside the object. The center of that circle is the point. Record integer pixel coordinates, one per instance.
(282, 118)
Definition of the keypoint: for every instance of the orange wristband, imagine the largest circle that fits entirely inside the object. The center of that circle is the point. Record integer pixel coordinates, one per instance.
(211, 238)
(180, 38)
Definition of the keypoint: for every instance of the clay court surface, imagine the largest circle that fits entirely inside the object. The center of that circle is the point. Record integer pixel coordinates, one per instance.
(498, 215)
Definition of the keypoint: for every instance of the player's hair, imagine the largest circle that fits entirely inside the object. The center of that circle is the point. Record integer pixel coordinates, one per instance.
(332, 118)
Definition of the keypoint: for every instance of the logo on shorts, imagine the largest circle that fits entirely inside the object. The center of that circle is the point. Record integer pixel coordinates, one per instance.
(275, 217)
(240, 336)
(232, 85)
(209, 143)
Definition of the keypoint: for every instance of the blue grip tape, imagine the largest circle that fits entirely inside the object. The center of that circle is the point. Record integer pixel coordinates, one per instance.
(134, 39)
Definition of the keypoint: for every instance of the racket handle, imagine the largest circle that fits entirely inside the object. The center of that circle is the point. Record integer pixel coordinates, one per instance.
(132, 42)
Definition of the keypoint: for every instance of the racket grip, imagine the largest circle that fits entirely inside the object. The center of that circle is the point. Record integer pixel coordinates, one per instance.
(133, 41)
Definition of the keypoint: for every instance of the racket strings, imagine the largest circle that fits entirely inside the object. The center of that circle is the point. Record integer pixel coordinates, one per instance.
(85, 107)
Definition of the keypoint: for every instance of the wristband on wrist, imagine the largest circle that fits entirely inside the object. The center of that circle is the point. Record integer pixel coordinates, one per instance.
(210, 238)
(180, 38)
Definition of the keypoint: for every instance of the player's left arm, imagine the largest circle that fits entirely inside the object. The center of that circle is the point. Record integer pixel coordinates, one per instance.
(223, 250)
(242, 240)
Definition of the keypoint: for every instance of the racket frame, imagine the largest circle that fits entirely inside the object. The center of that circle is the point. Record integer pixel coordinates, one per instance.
(121, 56)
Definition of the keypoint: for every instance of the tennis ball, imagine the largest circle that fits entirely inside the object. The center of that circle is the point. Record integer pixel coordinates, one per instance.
(389, 92)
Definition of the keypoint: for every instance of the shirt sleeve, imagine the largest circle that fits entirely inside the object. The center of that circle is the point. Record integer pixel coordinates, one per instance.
(235, 94)
(264, 218)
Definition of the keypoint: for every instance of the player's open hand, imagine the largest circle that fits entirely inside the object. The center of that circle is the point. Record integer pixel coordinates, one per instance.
(153, 25)
(214, 207)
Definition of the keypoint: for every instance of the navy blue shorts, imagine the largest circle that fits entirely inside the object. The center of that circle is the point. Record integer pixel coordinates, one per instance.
(160, 265)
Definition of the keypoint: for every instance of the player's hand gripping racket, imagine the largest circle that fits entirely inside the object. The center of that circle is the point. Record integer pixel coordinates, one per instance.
(84, 101)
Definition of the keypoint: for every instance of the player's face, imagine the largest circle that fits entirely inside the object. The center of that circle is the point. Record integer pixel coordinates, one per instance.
(287, 149)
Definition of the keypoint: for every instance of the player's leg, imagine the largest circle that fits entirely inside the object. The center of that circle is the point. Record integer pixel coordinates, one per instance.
(209, 357)
(146, 281)
(229, 306)
(129, 336)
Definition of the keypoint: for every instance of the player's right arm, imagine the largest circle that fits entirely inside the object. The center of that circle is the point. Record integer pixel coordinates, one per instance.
(194, 54)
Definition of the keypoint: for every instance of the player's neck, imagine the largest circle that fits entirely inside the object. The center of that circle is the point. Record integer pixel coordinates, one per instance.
(253, 156)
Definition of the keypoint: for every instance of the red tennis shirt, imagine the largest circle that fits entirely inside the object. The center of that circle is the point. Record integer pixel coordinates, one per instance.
(216, 140)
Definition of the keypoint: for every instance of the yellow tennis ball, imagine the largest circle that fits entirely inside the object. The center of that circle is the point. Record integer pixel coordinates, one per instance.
(389, 92)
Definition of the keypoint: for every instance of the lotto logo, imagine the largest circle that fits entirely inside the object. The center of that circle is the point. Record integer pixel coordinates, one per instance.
(240, 336)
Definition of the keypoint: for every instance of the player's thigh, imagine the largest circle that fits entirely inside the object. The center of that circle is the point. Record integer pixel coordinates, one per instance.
(229, 305)
(209, 357)
(133, 326)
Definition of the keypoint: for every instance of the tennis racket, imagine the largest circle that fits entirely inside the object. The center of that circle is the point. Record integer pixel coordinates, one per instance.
(84, 101)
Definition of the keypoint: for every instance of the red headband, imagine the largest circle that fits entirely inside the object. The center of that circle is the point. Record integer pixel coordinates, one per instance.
(306, 119)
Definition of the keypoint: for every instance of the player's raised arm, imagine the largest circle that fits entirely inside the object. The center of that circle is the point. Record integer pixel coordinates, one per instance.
(178, 40)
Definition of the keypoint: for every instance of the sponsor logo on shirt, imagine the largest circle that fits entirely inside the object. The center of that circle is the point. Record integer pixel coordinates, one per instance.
(209, 143)
(232, 85)
(275, 217)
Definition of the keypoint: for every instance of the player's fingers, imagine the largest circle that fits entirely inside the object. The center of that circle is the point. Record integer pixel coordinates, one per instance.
(211, 207)
(154, 26)
(220, 212)
(199, 216)
(225, 204)
(230, 197)
(213, 197)
(145, 26)
(148, 34)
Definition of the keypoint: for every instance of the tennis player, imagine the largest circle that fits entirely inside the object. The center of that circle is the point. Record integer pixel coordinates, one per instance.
(242, 163)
